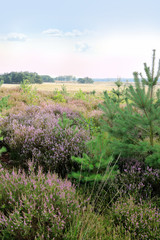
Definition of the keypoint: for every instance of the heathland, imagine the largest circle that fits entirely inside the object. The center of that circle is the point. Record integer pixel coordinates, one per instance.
(81, 161)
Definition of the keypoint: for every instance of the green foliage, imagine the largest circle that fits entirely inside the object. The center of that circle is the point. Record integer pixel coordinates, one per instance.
(85, 80)
(64, 90)
(2, 149)
(93, 92)
(28, 92)
(46, 78)
(58, 97)
(18, 77)
(3, 100)
(4, 103)
(118, 94)
(65, 123)
(136, 126)
(80, 95)
(91, 125)
(97, 165)
(65, 78)
(1, 83)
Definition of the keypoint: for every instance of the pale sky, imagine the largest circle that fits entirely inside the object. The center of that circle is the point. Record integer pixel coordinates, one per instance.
(94, 38)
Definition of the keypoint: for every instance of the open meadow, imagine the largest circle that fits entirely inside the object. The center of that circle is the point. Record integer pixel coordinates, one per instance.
(99, 87)
(72, 87)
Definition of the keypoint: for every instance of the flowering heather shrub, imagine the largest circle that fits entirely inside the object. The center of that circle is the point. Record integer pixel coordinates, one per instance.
(96, 113)
(140, 220)
(35, 206)
(45, 134)
(137, 179)
(85, 106)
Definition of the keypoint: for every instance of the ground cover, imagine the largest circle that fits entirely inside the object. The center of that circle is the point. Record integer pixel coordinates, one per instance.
(80, 164)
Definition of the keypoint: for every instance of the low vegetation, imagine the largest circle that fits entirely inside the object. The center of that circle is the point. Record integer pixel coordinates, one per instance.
(81, 165)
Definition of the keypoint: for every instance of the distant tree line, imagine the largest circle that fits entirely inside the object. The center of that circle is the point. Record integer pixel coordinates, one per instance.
(69, 78)
(46, 78)
(19, 77)
(73, 79)
(85, 80)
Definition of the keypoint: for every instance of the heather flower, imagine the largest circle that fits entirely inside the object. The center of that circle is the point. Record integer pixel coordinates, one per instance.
(138, 179)
(33, 204)
(46, 135)
(141, 220)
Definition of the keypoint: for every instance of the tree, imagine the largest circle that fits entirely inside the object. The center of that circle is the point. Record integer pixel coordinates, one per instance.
(68, 78)
(47, 78)
(118, 94)
(19, 77)
(135, 127)
(85, 80)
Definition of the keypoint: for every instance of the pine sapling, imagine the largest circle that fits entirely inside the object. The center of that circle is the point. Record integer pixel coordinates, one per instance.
(135, 127)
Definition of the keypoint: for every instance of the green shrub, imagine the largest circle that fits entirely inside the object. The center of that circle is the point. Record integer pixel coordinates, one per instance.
(96, 168)
(1, 83)
(93, 92)
(59, 97)
(4, 103)
(2, 149)
(80, 95)
(64, 90)
(28, 92)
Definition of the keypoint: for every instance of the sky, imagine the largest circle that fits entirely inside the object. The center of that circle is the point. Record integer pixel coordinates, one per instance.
(94, 38)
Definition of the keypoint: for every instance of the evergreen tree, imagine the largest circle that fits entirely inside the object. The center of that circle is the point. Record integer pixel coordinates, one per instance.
(118, 93)
(96, 165)
(135, 128)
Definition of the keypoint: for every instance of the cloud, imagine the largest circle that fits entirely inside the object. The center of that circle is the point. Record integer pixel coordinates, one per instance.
(14, 37)
(74, 33)
(53, 32)
(82, 47)
(58, 33)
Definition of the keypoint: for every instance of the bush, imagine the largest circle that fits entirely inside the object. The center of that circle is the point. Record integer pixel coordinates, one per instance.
(45, 134)
(4, 103)
(137, 180)
(59, 97)
(35, 206)
(80, 95)
(140, 220)
(2, 149)
(28, 92)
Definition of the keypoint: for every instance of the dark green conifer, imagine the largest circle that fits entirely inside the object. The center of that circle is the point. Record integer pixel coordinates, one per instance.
(135, 127)
(96, 165)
